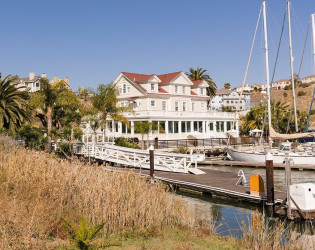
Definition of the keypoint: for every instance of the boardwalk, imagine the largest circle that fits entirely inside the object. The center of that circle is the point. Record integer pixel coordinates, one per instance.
(213, 182)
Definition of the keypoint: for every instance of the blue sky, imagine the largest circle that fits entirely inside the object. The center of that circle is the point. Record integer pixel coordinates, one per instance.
(93, 41)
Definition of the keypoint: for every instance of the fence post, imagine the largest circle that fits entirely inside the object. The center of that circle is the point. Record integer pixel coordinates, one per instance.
(151, 150)
(270, 183)
(156, 142)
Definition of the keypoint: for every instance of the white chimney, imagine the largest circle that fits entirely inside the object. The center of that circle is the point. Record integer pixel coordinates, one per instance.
(56, 79)
(66, 79)
(31, 75)
(44, 75)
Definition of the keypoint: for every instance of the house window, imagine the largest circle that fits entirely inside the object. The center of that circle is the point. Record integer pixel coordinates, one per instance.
(128, 89)
(164, 105)
(227, 101)
(152, 103)
(198, 127)
(173, 127)
(211, 126)
(193, 106)
(176, 89)
(184, 90)
(184, 106)
(152, 86)
(124, 88)
(176, 106)
(201, 91)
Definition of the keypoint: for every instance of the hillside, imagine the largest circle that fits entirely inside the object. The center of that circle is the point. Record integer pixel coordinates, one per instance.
(285, 96)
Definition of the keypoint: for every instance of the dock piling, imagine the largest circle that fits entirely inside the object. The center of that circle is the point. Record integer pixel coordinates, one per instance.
(288, 163)
(270, 184)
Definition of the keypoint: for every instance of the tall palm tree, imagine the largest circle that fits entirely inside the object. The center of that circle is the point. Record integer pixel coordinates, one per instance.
(105, 100)
(13, 105)
(44, 101)
(201, 74)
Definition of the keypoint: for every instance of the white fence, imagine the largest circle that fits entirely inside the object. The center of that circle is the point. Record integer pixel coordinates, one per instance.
(180, 163)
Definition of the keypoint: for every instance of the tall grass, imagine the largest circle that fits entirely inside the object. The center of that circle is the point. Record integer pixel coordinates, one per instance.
(37, 190)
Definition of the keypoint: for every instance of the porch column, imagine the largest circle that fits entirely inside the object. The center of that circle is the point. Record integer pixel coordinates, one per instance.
(224, 127)
(132, 128)
(166, 129)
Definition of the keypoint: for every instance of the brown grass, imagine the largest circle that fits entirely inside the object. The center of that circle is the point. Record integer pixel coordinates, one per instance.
(37, 190)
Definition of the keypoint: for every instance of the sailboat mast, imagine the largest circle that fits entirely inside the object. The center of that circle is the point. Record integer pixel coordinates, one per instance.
(291, 65)
(313, 35)
(267, 64)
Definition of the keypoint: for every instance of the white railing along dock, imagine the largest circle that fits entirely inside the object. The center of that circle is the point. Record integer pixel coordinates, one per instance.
(180, 163)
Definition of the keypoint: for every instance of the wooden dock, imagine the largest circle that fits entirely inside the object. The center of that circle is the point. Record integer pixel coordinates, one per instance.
(220, 162)
(214, 182)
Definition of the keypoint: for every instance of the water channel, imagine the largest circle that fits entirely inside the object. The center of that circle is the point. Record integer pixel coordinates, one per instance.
(228, 214)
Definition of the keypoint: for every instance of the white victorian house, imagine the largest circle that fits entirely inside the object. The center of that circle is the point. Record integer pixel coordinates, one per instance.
(173, 101)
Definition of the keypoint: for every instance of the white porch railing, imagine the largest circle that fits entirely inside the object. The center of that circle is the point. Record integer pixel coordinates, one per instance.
(180, 163)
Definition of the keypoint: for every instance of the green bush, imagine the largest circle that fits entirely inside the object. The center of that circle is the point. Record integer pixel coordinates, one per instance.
(301, 93)
(181, 150)
(64, 148)
(124, 142)
(33, 137)
(285, 94)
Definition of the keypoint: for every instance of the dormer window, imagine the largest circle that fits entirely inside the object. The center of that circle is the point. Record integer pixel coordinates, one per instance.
(176, 89)
(152, 87)
(184, 90)
(201, 91)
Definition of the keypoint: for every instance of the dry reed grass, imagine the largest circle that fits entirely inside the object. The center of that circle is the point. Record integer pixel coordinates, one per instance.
(37, 190)
(259, 233)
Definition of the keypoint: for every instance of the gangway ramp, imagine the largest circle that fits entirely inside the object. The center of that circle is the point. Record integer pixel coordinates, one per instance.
(163, 161)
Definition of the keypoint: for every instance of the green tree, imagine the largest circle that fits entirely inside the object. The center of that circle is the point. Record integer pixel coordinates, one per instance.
(105, 100)
(201, 74)
(83, 93)
(145, 128)
(46, 99)
(14, 109)
(227, 85)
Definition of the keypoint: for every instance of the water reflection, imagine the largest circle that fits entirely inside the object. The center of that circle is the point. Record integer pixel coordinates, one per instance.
(227, 215)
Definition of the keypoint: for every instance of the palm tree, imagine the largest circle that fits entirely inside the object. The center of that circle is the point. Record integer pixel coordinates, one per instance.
(200, 74)
(227, 85)
(145, 128)
(13, 104)
(105, 100)
(45, 100)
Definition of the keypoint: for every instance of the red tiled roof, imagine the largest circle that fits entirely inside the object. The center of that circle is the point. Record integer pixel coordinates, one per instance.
(161, 90)
(196, 82)
(139, 85)
(137, 77)
(132, 99)
(165, 78)
(193, 93)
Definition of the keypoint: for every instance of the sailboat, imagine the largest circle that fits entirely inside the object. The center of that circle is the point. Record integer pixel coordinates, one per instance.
(285, 151)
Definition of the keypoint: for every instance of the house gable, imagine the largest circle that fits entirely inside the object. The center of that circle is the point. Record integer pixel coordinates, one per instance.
(128, 88)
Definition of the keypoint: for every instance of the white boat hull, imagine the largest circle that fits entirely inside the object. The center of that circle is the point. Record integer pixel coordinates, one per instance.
(260, 157)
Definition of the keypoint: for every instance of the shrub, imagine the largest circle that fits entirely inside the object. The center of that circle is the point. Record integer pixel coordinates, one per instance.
(124, 142)
(285, 94)
(64, 149)
(301, 93)
(181, 150)
(33, 137)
